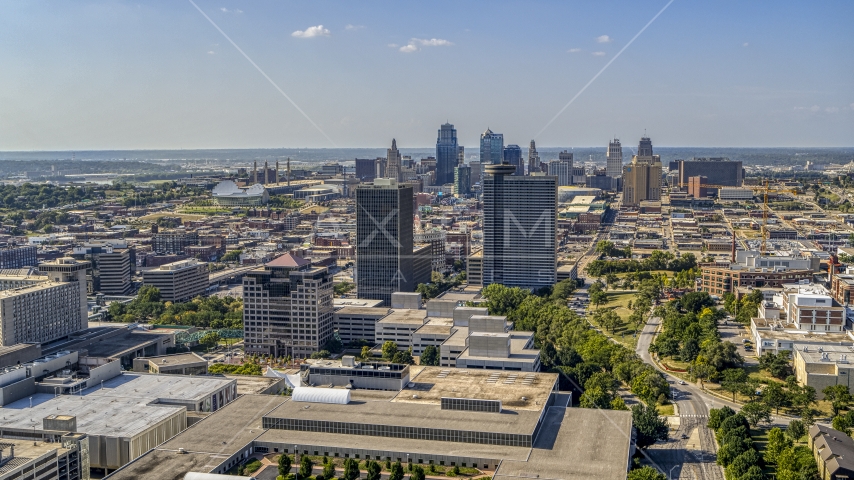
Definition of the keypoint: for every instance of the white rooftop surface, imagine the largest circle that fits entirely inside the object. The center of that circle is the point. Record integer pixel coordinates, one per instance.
(175, 387)
(126, 406)
(96, 415)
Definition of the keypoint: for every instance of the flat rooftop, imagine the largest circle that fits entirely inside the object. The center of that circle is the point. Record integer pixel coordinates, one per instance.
(118, 344)
(112, 416)
(576, 444)
(433, 383)
(188, 358)
(254, 384)
(372, 311)
(152, 387)
(437, 326)
(460, 297)
(25, 450)
(834, 353)
(405, 315)
(208, 442)
(407, 414)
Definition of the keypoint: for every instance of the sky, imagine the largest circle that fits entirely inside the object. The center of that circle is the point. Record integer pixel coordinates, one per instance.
(90, 75)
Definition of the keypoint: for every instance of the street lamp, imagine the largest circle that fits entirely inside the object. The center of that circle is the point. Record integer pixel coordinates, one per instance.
(296, 452)
(671, 471)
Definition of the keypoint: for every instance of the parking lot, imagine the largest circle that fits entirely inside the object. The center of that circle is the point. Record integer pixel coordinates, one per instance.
(737, 334)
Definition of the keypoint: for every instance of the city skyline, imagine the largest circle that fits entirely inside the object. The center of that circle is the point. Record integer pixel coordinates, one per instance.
(111, 75)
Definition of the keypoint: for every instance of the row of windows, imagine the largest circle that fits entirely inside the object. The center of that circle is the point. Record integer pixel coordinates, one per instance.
(395, 431)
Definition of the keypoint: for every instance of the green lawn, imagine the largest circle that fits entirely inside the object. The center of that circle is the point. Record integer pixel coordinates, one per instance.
(666, 409)
(624, 332)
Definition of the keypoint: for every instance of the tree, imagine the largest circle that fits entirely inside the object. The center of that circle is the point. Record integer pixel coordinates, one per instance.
(844, 422)
(351, 469)
(404, 357)
(756, 413)
(778, 365)
(796, 430)
(374, 470)
(284, 464)
(777, 443)
(328, 470)
(645, 473)
(366, 353)
(775, 396)
(148, 294)
(430, 356)
(796, 463)
(718, 415)
(417, 473)
(649, 425)
(389, 349)
(838, 396)
(305, 466)
(734, 379)
(210, 340)
(563, 289)
(396, 471)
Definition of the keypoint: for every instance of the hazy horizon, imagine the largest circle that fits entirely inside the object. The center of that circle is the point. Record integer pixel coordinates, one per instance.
(109, 74)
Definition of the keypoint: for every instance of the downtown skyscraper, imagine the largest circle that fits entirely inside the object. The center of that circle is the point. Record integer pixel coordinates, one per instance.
(491, 148)
(394, 163)
(447, 153)
(519, 222)
(614, 166)
(385, 262)
(513, 156)
(642, 177)
(533, 159)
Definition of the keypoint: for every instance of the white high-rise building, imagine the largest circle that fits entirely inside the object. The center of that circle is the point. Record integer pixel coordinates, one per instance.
(614, 167)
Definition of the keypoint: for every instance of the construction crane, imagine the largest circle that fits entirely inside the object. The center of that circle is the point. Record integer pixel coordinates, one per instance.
(762, 189)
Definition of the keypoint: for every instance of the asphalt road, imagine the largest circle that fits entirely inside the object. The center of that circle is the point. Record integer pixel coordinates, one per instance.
(692, 457)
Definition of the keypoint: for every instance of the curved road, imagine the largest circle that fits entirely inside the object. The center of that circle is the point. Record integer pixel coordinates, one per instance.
(692, 457)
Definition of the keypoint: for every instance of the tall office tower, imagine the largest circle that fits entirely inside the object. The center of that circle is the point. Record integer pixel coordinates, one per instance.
(18, 256)
(491, 148)
(394, 163)
(384, 240)
(513, 156)
(462, 180)
(565, 157)
(44, 305)
(614, 167)
(642, 177)
(111, 266)
(476, 172)
(461, 155)
(645, 147)
(519, 236)
(446, 154)
(69, 270)
(179, 281)
(533, 159)
(718, 170)
(382, 163)
(366, 169)
(562, 170)
(287, 308)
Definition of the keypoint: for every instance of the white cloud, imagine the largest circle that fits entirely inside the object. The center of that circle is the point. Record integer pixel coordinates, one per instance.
(433, 42)
(574, 50)
(393, 45)
(831, 109)
(745, 44)
(598, 54)
(604, 39)
(211, 52)
(815, 108)
(413, 44)
(236, 10)
(350, 26)
(312, 32)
